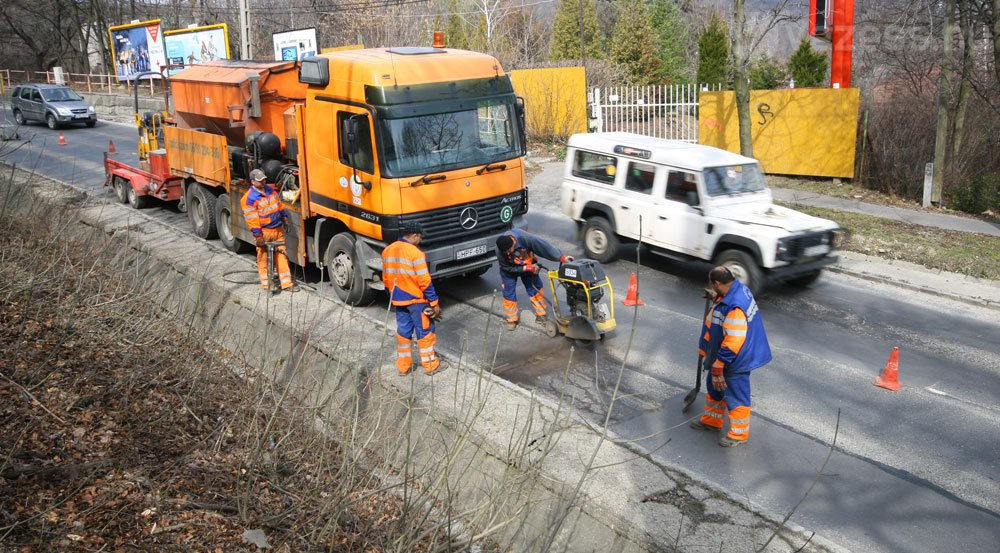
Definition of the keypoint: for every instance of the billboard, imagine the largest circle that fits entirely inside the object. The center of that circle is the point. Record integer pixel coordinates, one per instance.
(295, 45)
(137, 47)
(196, 45)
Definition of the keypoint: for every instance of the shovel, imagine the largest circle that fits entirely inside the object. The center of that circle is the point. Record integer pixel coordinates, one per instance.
(693, 394)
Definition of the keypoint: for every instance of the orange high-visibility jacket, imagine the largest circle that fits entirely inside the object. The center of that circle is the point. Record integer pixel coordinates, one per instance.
(262, 210)
(405, 274)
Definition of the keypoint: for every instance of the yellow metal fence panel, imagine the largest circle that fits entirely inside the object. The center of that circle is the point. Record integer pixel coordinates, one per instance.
(810, 132)
(555, 100)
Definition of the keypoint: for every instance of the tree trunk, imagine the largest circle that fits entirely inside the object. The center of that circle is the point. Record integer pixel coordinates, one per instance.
(967, 25)
(996, 39)
(740, 77)
(943, 103)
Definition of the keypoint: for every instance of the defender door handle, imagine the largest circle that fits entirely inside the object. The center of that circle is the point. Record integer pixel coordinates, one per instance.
(625, 207)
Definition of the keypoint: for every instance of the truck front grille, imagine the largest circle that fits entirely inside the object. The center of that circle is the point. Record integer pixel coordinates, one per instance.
(445, 225)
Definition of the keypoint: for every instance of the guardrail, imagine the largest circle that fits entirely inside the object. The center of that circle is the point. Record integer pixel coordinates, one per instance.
(88, 82)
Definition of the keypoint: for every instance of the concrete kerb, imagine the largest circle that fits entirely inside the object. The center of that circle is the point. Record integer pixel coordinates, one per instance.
(509, 441)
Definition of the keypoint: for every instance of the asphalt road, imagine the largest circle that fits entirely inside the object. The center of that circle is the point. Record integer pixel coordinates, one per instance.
(914, 470)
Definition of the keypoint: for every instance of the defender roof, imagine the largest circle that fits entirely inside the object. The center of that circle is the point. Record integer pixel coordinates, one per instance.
(675, 153)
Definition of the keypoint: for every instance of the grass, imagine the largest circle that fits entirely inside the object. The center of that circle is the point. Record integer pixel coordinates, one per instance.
(975, 255)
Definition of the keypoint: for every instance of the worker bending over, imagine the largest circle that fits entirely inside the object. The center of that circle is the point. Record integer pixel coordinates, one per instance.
(517, 253)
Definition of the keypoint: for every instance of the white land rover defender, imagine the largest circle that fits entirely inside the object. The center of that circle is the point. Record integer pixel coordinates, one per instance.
(695, 202)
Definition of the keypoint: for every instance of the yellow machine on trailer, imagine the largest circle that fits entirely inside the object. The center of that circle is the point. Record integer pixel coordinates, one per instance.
(590, 301)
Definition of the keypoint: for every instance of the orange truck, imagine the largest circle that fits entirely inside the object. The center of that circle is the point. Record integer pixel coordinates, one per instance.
(359, 143)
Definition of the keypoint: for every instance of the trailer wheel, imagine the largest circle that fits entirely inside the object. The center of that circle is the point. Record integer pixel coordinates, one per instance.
(201, 212)
(136, 200)
(743, 267)
(346, 272)
(223, 224)
(119, 185)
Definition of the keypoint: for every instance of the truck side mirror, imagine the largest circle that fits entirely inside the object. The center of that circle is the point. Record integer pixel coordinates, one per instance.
(350, 135)
(521, 124)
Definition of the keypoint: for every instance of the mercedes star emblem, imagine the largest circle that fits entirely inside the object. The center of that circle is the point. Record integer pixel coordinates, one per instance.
(468, 218)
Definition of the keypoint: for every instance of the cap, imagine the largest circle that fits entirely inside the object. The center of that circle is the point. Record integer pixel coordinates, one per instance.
(504, 242)
(257, 175)
(412, 227)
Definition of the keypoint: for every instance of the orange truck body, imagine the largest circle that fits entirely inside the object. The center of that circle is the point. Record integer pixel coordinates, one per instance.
(360, 142)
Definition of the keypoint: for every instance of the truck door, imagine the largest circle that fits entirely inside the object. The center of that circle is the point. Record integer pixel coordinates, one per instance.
(679, 222)
(636, 201)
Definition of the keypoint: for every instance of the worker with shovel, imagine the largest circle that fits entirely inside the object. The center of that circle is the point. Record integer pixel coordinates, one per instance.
(733, 343)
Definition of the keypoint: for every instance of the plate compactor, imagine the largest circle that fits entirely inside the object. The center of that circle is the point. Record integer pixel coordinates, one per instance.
(589, 301)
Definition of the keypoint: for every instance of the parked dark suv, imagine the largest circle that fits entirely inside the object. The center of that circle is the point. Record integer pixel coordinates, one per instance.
(55, 104)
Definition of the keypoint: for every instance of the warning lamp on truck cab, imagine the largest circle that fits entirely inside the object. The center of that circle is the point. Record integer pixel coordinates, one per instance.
(314, 71)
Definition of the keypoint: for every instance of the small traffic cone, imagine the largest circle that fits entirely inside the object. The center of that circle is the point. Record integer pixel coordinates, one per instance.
(632, 298)
(111, 147)
(889, 379)
(62, 139)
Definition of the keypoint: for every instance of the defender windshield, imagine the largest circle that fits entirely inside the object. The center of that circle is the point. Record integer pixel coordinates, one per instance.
(439, 142)
(60, 95)
(734, 179)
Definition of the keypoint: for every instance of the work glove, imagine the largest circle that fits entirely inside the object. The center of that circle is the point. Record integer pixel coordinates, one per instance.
(529, 268)
(436, 312)
(259, 240)
(718, 380)
(566, 259)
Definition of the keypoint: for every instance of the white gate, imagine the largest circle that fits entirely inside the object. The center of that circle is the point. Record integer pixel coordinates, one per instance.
(667, 111)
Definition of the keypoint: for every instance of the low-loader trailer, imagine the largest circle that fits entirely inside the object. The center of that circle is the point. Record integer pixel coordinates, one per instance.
(359, 142)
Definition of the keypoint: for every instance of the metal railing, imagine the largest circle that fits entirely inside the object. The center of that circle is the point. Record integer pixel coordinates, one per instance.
(82, 82)
(667, 111)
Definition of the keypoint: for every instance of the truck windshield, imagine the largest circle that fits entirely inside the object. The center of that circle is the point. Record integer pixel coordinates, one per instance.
(439, 142)
(734, 179)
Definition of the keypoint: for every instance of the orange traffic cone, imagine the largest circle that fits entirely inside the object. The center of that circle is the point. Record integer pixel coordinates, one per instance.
(632, 298)
(889, 379)
(111, 147)
(62, 139)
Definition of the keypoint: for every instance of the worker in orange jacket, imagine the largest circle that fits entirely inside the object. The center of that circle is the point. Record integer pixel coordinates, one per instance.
(265, 217)
(406, 276)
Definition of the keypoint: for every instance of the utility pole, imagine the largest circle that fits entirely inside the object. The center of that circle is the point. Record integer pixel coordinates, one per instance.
(246, 44)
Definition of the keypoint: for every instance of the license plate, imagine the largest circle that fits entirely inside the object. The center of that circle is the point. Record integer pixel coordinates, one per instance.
(816, 250)
(81, 116)
(471, 252)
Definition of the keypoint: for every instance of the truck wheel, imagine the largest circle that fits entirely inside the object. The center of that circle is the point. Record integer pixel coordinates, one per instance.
(223, 224)
(201, 212)
(743, 267)
(806, 280)
(136, 200)
(600, 242)
(50, 120)
(346, 272)
(19, 118)
(120, 183)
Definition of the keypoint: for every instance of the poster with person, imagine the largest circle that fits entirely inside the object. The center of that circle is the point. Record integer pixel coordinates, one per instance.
(137, 47)
(196, 45)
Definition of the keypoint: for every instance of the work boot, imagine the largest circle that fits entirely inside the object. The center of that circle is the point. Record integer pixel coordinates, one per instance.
(698, 425)
(726, 441)
(511, 325)
(291, 289)
(442, 365)
(541, 319)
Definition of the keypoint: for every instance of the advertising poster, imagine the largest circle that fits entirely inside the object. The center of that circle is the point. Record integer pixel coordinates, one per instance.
(196, 45)
(136, 48)
(295, 45)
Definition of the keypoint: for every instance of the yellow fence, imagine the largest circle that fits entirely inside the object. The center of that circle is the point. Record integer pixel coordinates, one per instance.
(555, 100)
(811, 132)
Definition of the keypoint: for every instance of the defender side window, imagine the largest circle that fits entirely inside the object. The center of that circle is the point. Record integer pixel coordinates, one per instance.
(595, 167)
(682, 187)
(364, 160)
(640, 177)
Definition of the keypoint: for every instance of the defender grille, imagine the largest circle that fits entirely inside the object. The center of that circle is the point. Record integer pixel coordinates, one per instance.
(798, 245)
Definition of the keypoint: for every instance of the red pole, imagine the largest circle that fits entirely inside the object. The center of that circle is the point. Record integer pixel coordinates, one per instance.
(843, 44)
